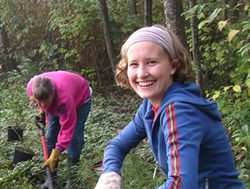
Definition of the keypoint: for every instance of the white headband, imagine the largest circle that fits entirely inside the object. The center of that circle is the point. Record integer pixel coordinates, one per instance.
(152, 34)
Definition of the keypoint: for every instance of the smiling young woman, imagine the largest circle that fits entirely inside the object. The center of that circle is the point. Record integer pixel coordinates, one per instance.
(183, 130)
(150, 71)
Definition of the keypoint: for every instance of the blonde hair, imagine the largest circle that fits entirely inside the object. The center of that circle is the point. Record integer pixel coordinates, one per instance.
(42, 88)
(168, 41)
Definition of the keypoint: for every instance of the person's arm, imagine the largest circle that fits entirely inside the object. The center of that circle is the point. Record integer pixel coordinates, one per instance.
(67, 119)
(116, 151)
(128, 138)
(183, 133)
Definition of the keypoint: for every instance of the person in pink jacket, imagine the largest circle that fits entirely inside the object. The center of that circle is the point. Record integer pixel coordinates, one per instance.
(66, 100)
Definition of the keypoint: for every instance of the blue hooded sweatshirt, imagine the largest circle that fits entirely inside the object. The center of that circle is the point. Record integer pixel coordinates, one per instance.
(186, 138)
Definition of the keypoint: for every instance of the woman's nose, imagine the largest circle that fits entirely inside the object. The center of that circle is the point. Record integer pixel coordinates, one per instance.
(43, 104)
(142, 71)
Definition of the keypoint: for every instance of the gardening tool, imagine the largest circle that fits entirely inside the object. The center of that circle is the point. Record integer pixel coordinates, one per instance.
(41, 121)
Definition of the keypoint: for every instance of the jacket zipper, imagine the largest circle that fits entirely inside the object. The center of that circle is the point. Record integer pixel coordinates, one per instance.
(206, 183)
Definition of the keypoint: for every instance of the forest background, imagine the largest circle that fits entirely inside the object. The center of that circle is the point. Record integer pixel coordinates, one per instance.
(85, 36)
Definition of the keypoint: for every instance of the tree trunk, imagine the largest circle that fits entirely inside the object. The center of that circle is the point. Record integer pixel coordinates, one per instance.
(225, 12)
(132, 7)
(234, 14)
(4, 41)
(107, 32)
(8, 63)
(148, 12)
(195, 49)
(231, 13)
(174, 21)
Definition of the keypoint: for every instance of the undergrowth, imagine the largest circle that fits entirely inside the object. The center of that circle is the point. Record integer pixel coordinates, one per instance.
(110, 112)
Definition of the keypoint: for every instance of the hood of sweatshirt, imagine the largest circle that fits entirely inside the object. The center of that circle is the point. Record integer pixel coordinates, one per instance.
(190, 93)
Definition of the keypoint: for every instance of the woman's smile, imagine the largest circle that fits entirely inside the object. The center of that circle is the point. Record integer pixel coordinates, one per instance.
(149, 70)
(145, 83)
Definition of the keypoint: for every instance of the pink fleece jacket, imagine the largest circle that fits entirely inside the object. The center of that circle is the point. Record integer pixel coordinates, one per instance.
(71, 91)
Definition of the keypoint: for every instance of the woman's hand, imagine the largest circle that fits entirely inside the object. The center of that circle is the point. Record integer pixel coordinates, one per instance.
(109, 180)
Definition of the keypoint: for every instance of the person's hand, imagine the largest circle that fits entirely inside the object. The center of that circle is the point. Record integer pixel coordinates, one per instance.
(109, 180)
(40, 118)
(51, 162)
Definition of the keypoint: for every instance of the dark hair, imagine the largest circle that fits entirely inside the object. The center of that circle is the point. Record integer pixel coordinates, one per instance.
(42, 88)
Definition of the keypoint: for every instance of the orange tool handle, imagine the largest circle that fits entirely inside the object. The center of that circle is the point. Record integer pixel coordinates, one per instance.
(45, 152)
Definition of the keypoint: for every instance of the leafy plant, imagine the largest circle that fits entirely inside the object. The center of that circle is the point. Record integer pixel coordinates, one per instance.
(108, 115)
(234, 103)
(14, 103)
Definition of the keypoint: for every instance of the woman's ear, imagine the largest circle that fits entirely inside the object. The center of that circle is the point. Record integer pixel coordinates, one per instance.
(174, 66)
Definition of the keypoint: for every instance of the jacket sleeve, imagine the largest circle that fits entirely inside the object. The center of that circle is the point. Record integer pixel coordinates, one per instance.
(29, 87)
(67, 119)
(128, 138)
(183, 132)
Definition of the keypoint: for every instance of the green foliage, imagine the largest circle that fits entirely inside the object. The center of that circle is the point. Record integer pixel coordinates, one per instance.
(105, 120)
(50, 35)
(16, 110)
(90, 75)
(13, 103)
(110, 112)
(234, 103)
(224, 45)
(71, 19)
(20, 176)
(141, 170)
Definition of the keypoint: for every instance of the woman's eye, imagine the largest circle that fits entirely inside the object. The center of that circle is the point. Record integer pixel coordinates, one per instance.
(133, 64)
(152, 62)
